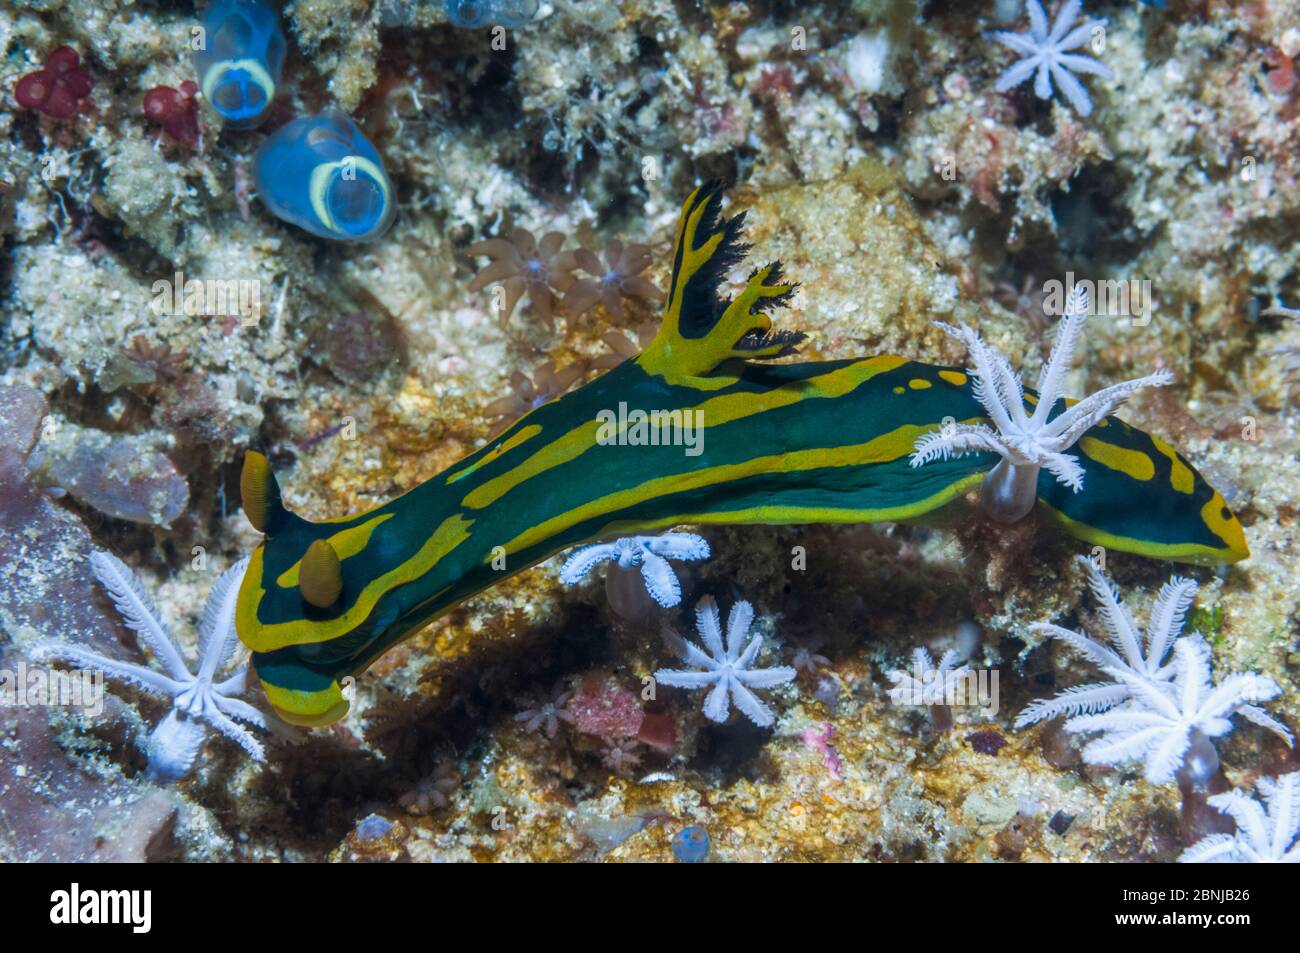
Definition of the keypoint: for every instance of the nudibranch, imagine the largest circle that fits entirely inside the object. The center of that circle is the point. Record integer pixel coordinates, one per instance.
(239, 54)
(322, 174)
(820, 442)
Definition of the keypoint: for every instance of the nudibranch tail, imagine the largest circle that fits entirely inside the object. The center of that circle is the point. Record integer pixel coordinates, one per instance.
(688, 432)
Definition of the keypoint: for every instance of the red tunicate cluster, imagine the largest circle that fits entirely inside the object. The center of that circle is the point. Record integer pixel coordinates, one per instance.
(1281, 71)
(177, 110)
(602, 707)
(58, 88)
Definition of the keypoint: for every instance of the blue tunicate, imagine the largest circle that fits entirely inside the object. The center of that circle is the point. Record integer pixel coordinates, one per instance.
(477, 13)
(373, 828)
(240, 55)
(691, 845)
(321, 173)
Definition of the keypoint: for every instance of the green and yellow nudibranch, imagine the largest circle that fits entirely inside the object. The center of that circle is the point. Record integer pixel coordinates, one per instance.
(820, 442)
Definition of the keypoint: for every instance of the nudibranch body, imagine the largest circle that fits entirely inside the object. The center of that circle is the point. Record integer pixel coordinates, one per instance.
(239, 57)
(322, 174)
(819, 442)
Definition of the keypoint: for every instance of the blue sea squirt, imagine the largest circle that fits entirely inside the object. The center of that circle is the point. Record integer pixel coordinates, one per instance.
(322, 174)
(470, 14)
(239, 57)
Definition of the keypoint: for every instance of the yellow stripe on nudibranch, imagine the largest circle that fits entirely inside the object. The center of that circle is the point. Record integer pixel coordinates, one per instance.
(453, 531)
(1234, 541)
(556, 453)
(1181, 477)
(525, 434)
(792, 515)
(713, 412)
(346, 543)
(889, 446)
(307, 709)
(1133, 463)
(726, 408)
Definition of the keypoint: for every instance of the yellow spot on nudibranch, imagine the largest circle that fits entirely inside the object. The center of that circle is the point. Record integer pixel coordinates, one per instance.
(956, 378)
(1181, 477)
(919, 383)
(1133, 463)
(900, 390)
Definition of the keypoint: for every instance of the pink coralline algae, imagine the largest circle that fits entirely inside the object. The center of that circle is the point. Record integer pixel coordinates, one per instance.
(58, 88)
(603, 709)
(56, 811)
(176, 110)
(818, 738)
